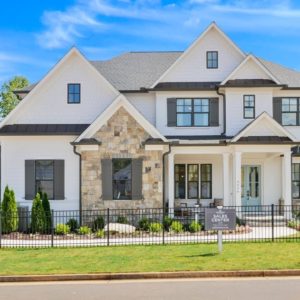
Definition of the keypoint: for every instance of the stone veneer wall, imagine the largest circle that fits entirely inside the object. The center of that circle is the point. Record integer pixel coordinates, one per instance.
(122, 137)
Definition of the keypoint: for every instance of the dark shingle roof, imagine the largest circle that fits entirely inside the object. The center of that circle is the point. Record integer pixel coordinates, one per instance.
(43, 129)
(186, 86)
(250, 83)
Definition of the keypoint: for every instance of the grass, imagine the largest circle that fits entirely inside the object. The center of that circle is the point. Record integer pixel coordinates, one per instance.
(239, 256)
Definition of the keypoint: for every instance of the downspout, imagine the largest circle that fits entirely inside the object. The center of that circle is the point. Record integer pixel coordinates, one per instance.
(80, 183)
(224, 110)
(0, 177)
(164, 175)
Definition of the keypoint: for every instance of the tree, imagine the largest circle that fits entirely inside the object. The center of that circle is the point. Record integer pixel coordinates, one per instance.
(8, 99)
(10, 218)
(37, 215)
(47, 210)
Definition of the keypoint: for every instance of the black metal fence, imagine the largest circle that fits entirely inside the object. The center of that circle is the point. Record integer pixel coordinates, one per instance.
(144, 227)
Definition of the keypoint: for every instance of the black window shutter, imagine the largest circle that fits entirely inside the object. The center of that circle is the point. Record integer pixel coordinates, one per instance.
(137, 179)
(29, 179)
(171, 106)
(214, 112)
(107, 177)
(277, 109)
(59, 179)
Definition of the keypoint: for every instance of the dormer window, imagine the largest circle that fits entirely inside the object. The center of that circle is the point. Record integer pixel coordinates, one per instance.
(74, 93)
(212, 59)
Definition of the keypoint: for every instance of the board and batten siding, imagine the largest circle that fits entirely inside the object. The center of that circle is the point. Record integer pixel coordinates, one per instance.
(16, 150)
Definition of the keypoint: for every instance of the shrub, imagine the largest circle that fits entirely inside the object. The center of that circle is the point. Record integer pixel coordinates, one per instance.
(62, 229)
(240, 222)
(167, 223)
(294, 224)
(99, 233)
(176, 226)
(122, 220)
(37, 215)
(144, 224)
(195, 227)
(47, 210)
(73, 224)
(10, 219)
(155, 227)
(98, 223)
(84, 230)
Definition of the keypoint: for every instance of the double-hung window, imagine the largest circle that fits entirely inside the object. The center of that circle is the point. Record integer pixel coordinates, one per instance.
(122, 174)
(180, 181)
(192, 112)
(44, 177)
(206, 181)
(290, 111)
(74, 93)
(249, 106)
(193, 177)
(212, 59)
(296, 180)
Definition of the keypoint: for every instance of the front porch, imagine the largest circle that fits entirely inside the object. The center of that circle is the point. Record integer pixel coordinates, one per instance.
(234, 175)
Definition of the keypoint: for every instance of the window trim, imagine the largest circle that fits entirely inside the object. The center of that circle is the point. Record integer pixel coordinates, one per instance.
(253, 107)
(73, 83)
(112, 161)
(212, 51)
(193, 112)
(295, 180)
(210, 181)
(53, 180)
(188, 181)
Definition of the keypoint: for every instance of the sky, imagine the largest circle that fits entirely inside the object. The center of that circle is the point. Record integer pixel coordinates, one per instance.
(35, 34)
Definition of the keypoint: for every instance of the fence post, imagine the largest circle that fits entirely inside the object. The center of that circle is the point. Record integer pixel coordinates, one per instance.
(107, 215)
(52, 228)
(0, 227)
(163, 225)
(272, 210)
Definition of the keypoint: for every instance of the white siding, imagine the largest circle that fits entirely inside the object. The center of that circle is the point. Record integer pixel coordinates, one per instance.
(235, 107)
(193, 66)
(162, 115)
(145, 104)
(14, 152)
(49, 104)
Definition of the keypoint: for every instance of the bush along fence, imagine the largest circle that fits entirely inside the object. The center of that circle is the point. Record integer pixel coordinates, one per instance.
(44, 228)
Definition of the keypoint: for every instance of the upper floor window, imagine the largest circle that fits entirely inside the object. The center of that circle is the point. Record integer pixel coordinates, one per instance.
(212, 59)
(290, 111)
(73, 93)
(249, 106)
(192, 112)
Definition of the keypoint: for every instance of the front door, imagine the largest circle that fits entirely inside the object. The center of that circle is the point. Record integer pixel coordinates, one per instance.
(251, 185)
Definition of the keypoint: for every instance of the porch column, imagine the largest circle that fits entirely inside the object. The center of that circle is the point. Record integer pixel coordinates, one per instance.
(287, 178)
(237, 166)
(171, 180)
(226, 178)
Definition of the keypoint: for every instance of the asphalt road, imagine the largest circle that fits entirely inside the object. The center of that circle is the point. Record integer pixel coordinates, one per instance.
(200, 289)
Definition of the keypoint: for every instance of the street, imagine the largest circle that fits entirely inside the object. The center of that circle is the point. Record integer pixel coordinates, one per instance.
(244, 288)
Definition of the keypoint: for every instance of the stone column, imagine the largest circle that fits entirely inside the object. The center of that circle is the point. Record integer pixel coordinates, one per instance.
(236, 180)
(226, 178)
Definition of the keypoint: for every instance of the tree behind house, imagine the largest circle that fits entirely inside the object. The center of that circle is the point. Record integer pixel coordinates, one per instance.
(38, 217)
(9, 99)
(10, 219)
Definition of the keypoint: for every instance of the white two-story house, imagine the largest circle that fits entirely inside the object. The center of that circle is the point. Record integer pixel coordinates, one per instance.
(147, 129)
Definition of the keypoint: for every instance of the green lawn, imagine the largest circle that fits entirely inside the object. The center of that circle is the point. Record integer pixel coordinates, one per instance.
(240, 256)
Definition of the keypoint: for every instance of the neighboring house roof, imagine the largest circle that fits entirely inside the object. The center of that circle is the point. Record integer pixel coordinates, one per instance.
(43, 129)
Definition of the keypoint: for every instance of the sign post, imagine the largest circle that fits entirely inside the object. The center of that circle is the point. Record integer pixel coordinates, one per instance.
(220, 219)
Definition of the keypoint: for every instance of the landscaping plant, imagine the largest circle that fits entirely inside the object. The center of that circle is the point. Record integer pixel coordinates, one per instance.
(176, 226)
(38, 217)
(195, 227)
(84, 230)
(98, 223)
(47, 210)
(144, 224)
(62, 229)
(73, 224)
(99, 234)
(167, 221)
(10, 219)
(155, 227)
(122, 220)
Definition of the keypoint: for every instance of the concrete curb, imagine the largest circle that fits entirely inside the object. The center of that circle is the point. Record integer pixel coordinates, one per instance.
(153, 275)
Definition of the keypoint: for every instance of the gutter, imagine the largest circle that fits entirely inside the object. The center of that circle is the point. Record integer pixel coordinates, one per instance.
(224, 110)
(164, 174)
(80, 184)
